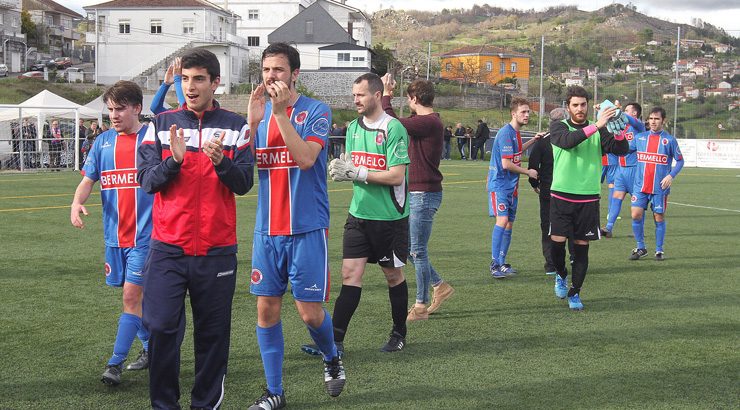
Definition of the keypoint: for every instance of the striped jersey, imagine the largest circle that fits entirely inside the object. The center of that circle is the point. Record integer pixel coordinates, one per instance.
(655, 154)
(127, 209)
(634, 127)
(508, 144)
(379, 146)
(292, 201)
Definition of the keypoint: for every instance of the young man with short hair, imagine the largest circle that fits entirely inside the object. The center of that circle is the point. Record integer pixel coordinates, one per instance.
(377, 228)
(625, 175)
(426, 133)
(655, 151)
(291, 134)
(577, 147)
(127, 222)
(503, 184)
(194, 159)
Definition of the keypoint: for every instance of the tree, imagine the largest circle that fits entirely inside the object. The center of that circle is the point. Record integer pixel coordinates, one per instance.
(646, 35)
(382, 59)
(28, 27)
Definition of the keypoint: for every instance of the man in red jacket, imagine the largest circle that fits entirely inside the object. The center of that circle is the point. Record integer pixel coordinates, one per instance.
(194, 159)
(426, 139)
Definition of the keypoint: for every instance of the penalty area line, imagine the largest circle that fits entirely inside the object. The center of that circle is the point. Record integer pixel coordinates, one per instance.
(704, 207)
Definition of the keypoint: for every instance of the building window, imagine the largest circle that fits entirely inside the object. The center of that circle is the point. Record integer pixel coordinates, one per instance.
(513, 67)
(2, 18)
(188, 27)
(358, 58)
(101, 24)
(309, 27)
(253, 14)
(462, 66)
(448, 67)
(502, 68)
(253, 41)
(124, 26)
(342, 57)
(489, 66)
(156, 26)
(49, 20)
(16, 23)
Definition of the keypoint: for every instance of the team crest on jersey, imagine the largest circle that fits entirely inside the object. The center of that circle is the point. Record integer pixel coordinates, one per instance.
(107, 269)
(256, 278)
(300, 118)
(501, 207)
(665, 141)
(402, 151)
(379, 138)
(633, 198)
(629, 136)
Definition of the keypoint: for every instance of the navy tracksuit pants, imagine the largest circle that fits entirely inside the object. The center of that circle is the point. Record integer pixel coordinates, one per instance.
(210, 281)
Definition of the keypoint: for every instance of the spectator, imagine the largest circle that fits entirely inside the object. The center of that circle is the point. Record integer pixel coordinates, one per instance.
(447, 139)
(461, 140)
(29, 143)
(56, 140)
(82, 136)
(481, 136)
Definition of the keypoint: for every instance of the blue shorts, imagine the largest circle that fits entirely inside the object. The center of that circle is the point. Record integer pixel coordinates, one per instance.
(658, 202)
(625, 179)
(302, 259)
(503, 204)
(609, 173)
(125, 265)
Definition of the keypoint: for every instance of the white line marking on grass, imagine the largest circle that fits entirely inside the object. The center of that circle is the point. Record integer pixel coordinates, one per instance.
(704, 207)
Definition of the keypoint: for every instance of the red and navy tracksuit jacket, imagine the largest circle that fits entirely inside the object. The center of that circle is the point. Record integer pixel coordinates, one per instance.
(194, 207)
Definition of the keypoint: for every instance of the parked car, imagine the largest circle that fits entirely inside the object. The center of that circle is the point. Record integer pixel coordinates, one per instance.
(39, 65)
(31, 74)
(72, 70)
(63, 62)
(3, 70)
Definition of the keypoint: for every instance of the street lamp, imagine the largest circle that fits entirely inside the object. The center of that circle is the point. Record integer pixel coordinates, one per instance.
(403, 73)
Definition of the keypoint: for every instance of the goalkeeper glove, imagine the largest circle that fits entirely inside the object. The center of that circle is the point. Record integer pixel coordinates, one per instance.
(342, 169)
(617, 124)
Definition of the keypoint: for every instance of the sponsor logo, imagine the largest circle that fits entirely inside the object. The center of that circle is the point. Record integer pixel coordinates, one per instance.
(383, 259)
(274, 158)
(106, 144)
(107, 269)
(712, 146)
(517, 158)
(590, 233)
(372, 161)
(651, 158)
(136, 273)
(300, 118)
(256, 277)
(118, 178)
(321, 127)
(225, 273)
(402, 151)
(379, 138)
(501, 207)
(313, 288)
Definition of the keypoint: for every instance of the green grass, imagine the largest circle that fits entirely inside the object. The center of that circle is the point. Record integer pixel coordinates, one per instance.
(653, 334)
(15, 91)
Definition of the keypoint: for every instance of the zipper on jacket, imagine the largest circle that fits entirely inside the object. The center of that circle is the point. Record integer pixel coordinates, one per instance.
(199, 177)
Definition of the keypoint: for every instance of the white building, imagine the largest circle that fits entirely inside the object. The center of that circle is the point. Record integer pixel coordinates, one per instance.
(137, 39)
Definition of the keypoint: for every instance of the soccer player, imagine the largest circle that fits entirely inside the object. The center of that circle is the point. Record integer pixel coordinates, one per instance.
(626, 172)
(194, 159)
(172, 76)
(656, 150)
(503, 184)
(377, 227)
(290, 236)
(127, 218)
(577, 147)
(426, 142)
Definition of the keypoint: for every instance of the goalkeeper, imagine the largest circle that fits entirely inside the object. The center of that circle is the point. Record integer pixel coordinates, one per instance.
(377, 228)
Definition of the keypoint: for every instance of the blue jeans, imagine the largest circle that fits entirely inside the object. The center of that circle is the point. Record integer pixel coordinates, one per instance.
(446, 150)
(423, 206)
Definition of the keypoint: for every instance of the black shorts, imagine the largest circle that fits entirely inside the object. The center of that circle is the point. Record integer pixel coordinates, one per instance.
(383, 242)
(577, 220)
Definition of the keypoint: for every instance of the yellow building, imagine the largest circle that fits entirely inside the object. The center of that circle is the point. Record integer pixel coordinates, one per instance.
(485, 64)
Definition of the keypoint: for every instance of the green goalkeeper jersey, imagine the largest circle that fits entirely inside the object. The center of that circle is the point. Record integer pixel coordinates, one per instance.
(378, 146)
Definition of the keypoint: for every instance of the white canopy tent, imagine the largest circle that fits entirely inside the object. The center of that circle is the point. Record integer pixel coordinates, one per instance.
(47, 104)
(99, 106)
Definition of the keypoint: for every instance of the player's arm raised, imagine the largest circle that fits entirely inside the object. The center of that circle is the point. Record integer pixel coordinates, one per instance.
(304, 153)
(82, 193)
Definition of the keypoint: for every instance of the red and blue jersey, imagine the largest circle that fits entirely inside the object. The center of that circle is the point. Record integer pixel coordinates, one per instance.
(655, 155)
(292, 201)
(633, 128)
(508, 144)
(127, 209)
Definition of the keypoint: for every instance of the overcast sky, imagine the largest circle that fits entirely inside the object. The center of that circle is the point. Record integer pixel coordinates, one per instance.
(722, 13)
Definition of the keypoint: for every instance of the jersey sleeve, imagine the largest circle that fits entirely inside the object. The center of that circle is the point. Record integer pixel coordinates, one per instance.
(317, 125)
(91, 169)
(398, 144)
(506, 145)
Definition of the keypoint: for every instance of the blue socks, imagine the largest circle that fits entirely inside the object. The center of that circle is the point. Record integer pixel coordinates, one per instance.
(143, 335)
(505, 242)
(496, 238)
(615, 206)
(659, 236)
(638, 228)
(323, 336)
(128, 326)
(272, 349)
